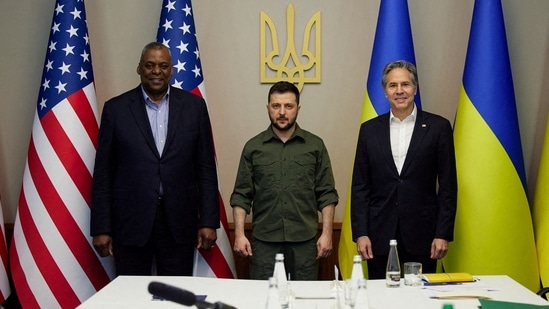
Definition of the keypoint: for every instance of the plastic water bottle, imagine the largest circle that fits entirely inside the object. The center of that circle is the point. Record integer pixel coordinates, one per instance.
(357, 273)
(282, 281)
(393, 266)
(273, 299)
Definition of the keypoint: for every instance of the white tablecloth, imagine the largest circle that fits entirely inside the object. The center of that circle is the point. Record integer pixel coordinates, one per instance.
(132, 292)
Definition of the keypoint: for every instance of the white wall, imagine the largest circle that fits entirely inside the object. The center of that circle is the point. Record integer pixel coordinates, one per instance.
(228, 36)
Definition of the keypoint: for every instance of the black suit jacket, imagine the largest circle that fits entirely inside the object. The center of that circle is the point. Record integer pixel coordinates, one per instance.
(381, 199)
(128, 170)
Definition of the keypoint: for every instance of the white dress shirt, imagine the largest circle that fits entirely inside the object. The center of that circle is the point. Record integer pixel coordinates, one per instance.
(401, 134)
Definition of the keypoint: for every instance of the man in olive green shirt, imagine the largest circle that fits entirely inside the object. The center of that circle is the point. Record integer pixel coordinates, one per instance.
(284, 179)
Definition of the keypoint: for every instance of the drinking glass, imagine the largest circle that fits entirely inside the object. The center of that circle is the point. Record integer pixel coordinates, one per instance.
(412, 274)
(350, 292)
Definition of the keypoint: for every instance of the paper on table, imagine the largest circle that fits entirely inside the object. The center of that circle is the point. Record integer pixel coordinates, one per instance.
(460, 287)
(301, 290)
(463, 294)
(311, 294)
(458, 291)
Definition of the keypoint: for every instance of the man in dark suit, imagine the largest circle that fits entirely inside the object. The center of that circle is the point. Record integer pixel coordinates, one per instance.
(155, 194)
(404, 183)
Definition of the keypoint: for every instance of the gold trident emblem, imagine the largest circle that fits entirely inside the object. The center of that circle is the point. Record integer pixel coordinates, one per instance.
(290, 67)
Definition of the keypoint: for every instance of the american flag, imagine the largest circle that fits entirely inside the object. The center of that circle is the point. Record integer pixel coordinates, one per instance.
(176, 30)
(5, 290)
(53, 263)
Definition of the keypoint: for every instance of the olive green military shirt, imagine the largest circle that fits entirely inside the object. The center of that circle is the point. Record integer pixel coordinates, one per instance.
(284, 185)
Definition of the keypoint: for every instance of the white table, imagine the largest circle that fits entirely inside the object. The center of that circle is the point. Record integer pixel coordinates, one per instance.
(132, 292)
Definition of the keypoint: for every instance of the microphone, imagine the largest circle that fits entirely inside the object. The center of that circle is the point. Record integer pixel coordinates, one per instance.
(183, 297)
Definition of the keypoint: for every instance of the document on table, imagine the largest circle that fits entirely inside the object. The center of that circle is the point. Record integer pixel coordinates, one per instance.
(302, 291)
(459, 291)
(464, 294)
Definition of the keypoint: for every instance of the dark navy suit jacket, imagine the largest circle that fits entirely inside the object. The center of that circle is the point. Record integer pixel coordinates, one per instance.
(128, 170)
(421, 200)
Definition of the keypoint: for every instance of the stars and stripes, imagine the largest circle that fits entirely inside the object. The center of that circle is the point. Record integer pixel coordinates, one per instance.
(177, 31)
(53, 263)
(5, 290)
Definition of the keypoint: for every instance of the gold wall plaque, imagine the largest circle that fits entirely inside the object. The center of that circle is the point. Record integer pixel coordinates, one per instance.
(291, 67)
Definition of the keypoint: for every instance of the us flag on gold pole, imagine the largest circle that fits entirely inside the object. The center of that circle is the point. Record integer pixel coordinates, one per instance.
(53, 263)
(5, 290)
(177, 31)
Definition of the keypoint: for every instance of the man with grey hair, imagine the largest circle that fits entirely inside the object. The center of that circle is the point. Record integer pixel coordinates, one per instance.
(404, 183)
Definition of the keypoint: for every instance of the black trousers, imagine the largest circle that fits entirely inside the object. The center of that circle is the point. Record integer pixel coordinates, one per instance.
(377, 266)
(161, 255)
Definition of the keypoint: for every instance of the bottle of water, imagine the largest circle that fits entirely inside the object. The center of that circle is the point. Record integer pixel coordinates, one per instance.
(393, 266)
(356, 272)
(362, 296)
(273, 301)
(282, 281)
(279, 270)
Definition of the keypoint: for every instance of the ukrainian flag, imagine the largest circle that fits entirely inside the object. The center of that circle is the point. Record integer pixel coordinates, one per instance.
(392, 41)
(493, 233)
(541, 211)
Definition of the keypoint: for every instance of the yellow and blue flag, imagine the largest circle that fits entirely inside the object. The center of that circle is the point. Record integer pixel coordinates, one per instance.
(541, 211)
(493, 232)
(392, 41)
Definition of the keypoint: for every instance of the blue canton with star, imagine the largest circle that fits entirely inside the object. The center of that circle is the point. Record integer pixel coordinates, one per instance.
(67, 67)
(177, 32)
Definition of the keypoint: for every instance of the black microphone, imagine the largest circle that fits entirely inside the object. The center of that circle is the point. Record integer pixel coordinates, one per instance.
(182, 297)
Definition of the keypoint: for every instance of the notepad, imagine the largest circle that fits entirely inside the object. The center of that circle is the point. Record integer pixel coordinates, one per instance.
(447, 277)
